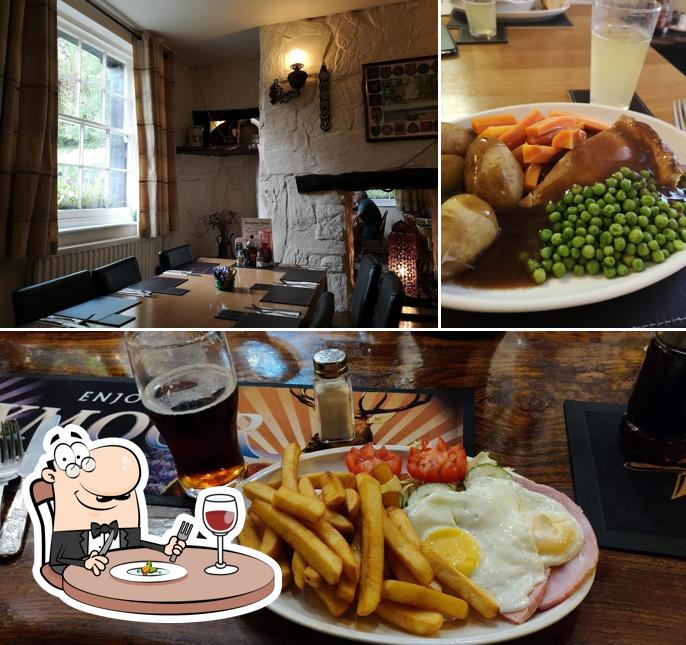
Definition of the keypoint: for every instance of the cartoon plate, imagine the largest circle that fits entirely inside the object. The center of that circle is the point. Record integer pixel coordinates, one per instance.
(147, 571)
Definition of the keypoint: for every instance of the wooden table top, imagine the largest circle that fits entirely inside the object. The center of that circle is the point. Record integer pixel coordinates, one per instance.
(520, 381)
(539, 65)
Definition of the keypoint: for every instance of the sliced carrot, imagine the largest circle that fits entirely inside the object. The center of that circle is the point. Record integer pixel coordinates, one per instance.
(549, 124)
(545, 139)
(538, 154)
(586, 122)
(495, 130)
(480, 123)
(518, 154)
(516, 135)
(568, 138)
(531, 176)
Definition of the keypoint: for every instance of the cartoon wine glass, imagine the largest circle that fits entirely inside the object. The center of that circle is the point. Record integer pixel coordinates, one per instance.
(220, 514)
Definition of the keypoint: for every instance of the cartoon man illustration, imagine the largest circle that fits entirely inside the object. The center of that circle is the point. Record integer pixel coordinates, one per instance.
(96, 503)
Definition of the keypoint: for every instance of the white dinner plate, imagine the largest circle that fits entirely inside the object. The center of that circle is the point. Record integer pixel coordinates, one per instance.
(305, 608)
(570, 291)
(128, 572)
(532, 15)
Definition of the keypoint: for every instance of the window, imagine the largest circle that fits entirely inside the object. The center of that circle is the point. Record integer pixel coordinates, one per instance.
(382, 197)
(96, 145)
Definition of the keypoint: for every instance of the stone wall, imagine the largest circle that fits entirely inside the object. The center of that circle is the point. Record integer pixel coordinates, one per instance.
(309, 228)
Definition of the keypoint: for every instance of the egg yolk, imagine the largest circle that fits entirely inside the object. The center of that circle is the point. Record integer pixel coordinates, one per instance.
(456, 546)
(551, 537)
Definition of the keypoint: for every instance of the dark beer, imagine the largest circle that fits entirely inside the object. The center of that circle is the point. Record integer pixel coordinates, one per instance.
(195, 410)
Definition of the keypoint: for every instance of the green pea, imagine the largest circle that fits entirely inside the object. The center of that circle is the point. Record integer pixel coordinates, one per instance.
(592, 267)
(679, 245)
(608, 250)
(599, 255)
(605, 238)
(546, 252)
(609, 272)
(594, 230)
(539, 275)
(620, 243)
(625, 184)
(610, 198)
(638, 265)
(547, 265)
(618, 175)
(555, 216)
(578, 270)
(593, 209)
(574, 253)
(567, 234)
(615, 230)
(628, 205)
(611, 182)
(587, 192)
(545, 234)
(661, 239)
(599, 189)
(568, 198)
(585, 216)
(647, 200)
(578, 241)
(569, 262)
(549, 207)
(621, 196)
(559, 270)
(556, 257)
(653, 245)
(630, 249)
(658, 257)
(556, 239)
(636, 235)
(609, 210)
(609, 261)
(563, 250)
(588, 252)
(644, 212)
(532, 264)
(620, 218)
(643, 250)
(631, 218)
(590, 239)
(661, 221)
(622, 269)
(578, 199)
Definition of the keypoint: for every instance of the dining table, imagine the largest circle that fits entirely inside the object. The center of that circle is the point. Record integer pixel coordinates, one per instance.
(519, 381)
(199, 307)
(542, 64)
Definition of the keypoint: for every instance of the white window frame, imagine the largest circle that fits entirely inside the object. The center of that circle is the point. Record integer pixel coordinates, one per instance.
(97, 224)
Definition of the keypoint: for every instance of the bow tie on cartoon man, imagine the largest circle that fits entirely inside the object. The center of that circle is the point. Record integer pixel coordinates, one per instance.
(96, 505)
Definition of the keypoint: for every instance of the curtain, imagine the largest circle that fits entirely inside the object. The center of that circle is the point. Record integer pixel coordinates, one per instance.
(154, 82)
(28, 128)
(413, 201)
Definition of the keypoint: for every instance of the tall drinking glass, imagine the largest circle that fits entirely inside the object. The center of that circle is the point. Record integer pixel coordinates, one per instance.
(188, 386)
(621, 34)
(481, 18)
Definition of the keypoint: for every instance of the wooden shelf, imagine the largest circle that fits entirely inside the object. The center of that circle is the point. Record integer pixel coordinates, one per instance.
(231, 151)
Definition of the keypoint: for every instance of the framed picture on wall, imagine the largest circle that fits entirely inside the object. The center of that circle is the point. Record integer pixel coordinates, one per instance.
(401, 99)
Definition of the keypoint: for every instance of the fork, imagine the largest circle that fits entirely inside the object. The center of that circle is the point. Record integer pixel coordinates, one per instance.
(679, 112)
(11, 453)
(183, 535)
(284, 313)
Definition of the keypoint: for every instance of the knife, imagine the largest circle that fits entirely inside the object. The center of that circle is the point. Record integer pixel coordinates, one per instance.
(15, 523)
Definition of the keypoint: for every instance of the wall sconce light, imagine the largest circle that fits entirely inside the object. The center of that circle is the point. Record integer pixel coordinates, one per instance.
(296, 79)
(402, 259)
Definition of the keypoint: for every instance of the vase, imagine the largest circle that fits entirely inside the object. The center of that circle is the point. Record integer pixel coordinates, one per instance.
(223, 249)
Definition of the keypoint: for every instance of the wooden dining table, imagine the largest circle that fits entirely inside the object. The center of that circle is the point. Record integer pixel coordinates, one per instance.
(520, 382)
(540, 64)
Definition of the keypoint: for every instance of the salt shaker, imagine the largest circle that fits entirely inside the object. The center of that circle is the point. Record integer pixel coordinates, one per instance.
(333, 395)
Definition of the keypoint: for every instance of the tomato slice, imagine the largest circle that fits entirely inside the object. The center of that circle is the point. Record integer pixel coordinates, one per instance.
(438, 464)
(364, 459)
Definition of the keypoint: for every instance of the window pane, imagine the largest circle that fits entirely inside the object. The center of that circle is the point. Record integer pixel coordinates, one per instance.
(91, 103)
(67, 55)
(91, 65)
(118, 151)
(93, 189)
(115, 76)
(67, 187)
(115, 111)
(66, 96)
(117, 189)
(68, 135)
(94, 147)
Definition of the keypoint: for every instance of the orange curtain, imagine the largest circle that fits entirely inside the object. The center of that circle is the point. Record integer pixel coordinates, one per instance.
(28, 128)
(154, 81)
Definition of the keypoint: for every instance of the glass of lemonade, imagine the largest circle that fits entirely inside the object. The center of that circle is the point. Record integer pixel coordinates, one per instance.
(621, 34)
(481, 17)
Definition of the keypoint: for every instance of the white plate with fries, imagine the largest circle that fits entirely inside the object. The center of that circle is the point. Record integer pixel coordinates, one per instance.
(305, 608)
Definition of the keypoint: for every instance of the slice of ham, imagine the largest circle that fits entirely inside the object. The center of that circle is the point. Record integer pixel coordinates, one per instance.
(535, 599)
(567, 578)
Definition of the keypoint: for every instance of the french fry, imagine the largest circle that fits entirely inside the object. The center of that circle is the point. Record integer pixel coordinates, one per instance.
(298, 567)
(371, 569)
(303, 540)
(249, 536)
(333, 492)
(407, 593)
(303, 507)
(382, 472)
(346, 478)
(415, 621)
(290, 462)
(306, 487)
(404, 525)
(459, 584)
(257, 523)
(335, 605)
(286, 573)
(257, 490)
(346, 589)
(339, 522)
(406, 552)
(338, 544)
(271, 543)
(313, 578)
(398, 569)
(352, 503)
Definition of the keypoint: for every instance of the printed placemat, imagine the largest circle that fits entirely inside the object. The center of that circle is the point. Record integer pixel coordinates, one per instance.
(270, 416)
(632, 506)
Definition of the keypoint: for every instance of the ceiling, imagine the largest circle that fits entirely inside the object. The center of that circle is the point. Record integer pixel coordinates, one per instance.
(203, 32)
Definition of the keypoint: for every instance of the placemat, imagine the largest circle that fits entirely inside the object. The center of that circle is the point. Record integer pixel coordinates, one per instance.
(289, 296)
(261, 286)
(558, 21)
(198, 267)
(303, 275)
(230, 314)
(630, 507)
(257, 321)
(116, 320)
(270, 416)
(158, 284)
(660, 305)
(99, 308)
(584, 96)
(459, 21)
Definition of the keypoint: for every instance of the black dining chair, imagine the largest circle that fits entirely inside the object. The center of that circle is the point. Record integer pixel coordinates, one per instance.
(115, 276)
(365, 292)
(324, 311)
(40, 300)
(389, 305)
(176, 257)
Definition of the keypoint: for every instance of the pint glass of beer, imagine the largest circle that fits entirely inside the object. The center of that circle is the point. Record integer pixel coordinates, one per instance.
(188, 386)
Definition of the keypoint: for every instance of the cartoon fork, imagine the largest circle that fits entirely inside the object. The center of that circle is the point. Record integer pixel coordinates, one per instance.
(183, 535)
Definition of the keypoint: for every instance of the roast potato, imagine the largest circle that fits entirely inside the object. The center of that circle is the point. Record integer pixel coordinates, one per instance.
(492, 173)
(468, 227)
(454, 139)
(452, 173)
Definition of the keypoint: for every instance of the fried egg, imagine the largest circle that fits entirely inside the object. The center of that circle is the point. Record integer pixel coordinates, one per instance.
(498, 533)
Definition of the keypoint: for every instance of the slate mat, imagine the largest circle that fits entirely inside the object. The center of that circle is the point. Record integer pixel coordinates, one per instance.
(283, 295)
(260, 321)
(98, 309)
(160, 284)
(303, 275)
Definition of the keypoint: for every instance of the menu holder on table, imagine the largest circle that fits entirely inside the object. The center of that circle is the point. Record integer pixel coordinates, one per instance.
(99, 308)
(284, 295)
(632, 506)
(258, 321)
(230, 314)
(584, 96)
(162, 285)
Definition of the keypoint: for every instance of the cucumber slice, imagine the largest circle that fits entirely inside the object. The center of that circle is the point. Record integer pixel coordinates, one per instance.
(486, 470)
